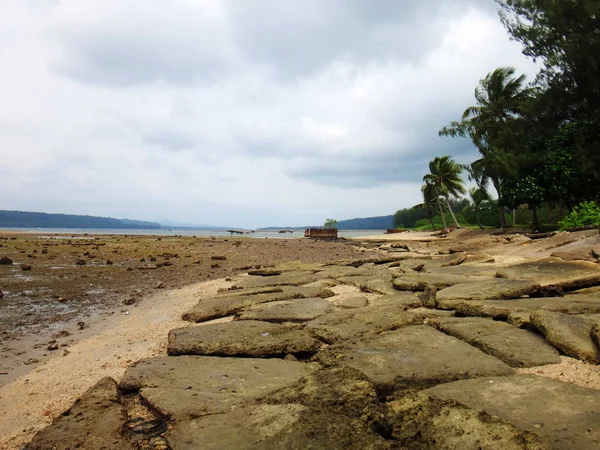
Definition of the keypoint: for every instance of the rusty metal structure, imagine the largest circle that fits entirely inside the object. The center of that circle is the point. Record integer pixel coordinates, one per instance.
(321, 233)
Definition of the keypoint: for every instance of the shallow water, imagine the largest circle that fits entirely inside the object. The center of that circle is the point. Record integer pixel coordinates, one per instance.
(186, 232)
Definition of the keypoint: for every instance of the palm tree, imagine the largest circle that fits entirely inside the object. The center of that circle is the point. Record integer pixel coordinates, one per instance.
(445, 181)
(477, 196)
(501, 98)
(429, 199)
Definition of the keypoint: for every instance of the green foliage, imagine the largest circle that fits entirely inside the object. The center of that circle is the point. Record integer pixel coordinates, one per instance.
(331, 223)
(488, 214)
(407, 218)
(425, 225)
(565, 36)
(586, 213)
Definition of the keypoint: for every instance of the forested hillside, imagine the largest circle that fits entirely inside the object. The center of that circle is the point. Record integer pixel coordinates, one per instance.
(43, 220)
(368, 223)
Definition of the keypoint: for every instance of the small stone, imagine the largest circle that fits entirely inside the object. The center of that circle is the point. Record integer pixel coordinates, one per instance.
(61, 299)
(25, 266)
(290, 358)
(5, 261)
(52, 347)
(81, 325)
(419, 267)
(80, 262)
(159, 285)
(428, 297)
(31, 361)
(218, 258)
(109, 262)
(129, 301)
(44, 251)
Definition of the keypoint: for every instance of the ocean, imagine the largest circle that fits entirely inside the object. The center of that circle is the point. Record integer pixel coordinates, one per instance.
(185, 232)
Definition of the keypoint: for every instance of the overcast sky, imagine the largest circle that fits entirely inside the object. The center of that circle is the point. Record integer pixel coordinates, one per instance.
(236, 112)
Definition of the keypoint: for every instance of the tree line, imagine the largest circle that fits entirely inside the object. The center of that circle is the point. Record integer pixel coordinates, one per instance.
(538, 142)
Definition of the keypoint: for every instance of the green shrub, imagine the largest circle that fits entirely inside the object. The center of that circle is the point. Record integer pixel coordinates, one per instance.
(586, 213)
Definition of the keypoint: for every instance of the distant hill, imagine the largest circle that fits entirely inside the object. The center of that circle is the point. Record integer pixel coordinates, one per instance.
(367, 223)
(23, 219)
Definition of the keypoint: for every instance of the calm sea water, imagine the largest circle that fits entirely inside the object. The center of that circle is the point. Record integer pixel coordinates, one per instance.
(188, 232)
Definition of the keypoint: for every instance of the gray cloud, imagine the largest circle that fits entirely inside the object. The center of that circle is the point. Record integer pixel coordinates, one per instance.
(236, 112)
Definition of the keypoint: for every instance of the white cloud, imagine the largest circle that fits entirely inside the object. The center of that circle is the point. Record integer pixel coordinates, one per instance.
(225, 112)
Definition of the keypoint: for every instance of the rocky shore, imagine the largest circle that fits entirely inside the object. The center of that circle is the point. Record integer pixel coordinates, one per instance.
(418, 342)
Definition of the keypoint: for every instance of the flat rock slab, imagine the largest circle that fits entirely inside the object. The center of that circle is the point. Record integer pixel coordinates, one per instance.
(404, 300)
(287, 279)
(94, 421)
(421, 421)
(245, 377)
(501, 309)
(516, 347)
(415, 356)
(222, 306)
(373, 284)
(569, 334)
(293, 310)
(289, 426)
(241, 338)
(567, 416)
(186, 404)
(350, 324)
(339, 390)
(487, 290)
(353, 302)
(336, 272)
(568, 275)
(418, 282)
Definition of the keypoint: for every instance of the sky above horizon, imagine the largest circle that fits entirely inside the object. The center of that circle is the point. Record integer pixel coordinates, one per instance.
(236, 113)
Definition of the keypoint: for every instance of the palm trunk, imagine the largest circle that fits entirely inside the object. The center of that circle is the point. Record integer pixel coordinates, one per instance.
(498, 188)
(431, 219)
(477, 217)
(442, 213)
(452, 213)
(534, 218)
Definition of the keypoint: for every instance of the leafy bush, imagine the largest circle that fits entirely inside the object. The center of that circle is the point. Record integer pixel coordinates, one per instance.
(586, 213)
